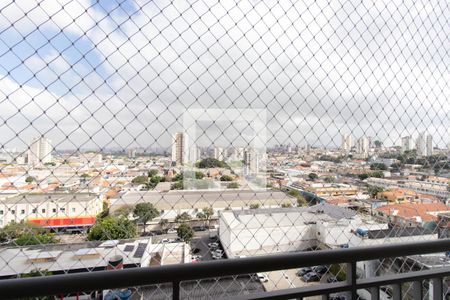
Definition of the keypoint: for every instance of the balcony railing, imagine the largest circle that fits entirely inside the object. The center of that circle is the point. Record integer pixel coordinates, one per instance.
(176, 274)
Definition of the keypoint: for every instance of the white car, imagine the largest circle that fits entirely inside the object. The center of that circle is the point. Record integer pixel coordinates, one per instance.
(217, 252)
(165, 241)
(171, 230)
(213, 245)
(217, 256)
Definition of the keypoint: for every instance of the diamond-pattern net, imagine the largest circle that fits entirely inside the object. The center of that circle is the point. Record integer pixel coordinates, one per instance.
(185, 131)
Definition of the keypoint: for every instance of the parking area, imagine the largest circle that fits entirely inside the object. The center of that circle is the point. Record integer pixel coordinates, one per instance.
(200, 248)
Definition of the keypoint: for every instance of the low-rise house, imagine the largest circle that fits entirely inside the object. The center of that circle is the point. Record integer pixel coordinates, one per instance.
(412, 214)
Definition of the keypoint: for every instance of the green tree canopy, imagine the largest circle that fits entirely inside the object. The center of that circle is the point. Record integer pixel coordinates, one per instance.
(23, 234)
(145, 212)
(254, 206)
(211, 163)
(373, 190)
(233, 185)
(152, 172)
(301, 201)
(29, 238)
(30, 179)
(313, 176)
(163, 223)
(183, 217)
(112, 228)
(177, 185)
(185, 233)
(142, 179)
(226, 178)
(378, 166)
(363, 176)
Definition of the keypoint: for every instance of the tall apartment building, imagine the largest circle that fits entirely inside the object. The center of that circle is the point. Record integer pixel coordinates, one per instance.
(180, 148)
(420, 144)
(251, 162)
(219, 153)
(363, 146)
(407, 143)
(39, 151)
(236, 154)
(429, 146)
(346, 144)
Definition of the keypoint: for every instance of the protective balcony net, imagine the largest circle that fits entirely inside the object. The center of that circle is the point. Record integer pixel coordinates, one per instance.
(149, 133)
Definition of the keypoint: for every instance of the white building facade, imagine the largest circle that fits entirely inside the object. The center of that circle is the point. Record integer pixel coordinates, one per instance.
(40, 152)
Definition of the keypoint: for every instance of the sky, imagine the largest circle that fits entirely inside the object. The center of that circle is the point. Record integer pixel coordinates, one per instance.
(121, 74)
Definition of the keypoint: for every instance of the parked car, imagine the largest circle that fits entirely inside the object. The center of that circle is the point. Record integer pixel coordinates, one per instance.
(213, 245)
(171, 230)
(304, 271)
(311, 277)
(196, 257)
(320, 269)
(217, 255)
(332, 279)
(198, 228)
(165, 241)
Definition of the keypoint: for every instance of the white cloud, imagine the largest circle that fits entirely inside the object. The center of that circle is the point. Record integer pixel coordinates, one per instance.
(373, 67)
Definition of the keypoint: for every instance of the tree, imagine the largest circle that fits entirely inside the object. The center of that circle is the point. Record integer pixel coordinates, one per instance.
(182, 218)
(233, 185)
(202, 216)
(145, 212)
(152, 172)
(301, 201)
(378, 166)
(374, 190)
(163, 223)
(142, 179)
(23, 234)
(313, 176)
(29, 238)
(177, 185)
(208, 212)
(254, 206)
(226, 178)
(185, 233)
(377, 174)
(112, 228)
(124, 211)
(199, 175)
(378, 144)
(36, 273)
(286, 205)
(30, 179)
(396, 167)
(363, 176)
(85, 175)
(329, 179)
(209, 162)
